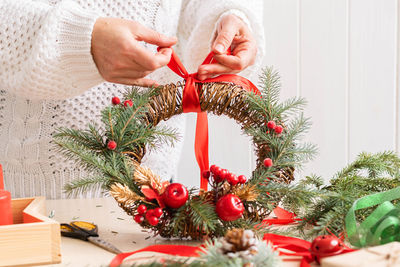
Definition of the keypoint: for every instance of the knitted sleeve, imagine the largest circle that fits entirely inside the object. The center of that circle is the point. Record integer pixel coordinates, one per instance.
(45, 50)
(197, 27)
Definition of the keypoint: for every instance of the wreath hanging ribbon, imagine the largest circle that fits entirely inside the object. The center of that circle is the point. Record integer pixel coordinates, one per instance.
(381, 226)
(191, 103)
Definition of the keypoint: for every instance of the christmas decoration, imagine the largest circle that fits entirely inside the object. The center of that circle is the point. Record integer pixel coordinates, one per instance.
(268, 162)
(111, 145)
(239, 248)
(191, 213)
(278, 129)
(176, 195)
(115, 100)
(271, 125)
(229, 207)
(326, 245)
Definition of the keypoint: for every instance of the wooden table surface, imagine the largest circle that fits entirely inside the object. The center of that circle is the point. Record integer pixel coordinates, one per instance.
(114, 226)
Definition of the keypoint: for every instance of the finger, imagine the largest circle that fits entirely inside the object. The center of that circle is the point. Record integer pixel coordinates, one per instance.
(209, 70)
(138, 82)
(224, 38)
(239, 61)
(153, 37)
(148, 60)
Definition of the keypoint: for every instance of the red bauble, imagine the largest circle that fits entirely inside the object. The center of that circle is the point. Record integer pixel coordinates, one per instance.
(128, 103)
(139, 218)
(229, 207)
(326, 245)
(242, 179)
(176, 195)
(111, 145)
(206, 174)
(142, 209)
(268, 162)
(278, 129)
(271, 125)
(158, 212)
(153, 220)
(115, 100)
(232, 179)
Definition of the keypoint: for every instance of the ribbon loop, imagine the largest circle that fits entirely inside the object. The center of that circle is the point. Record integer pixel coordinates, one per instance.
(191, 103)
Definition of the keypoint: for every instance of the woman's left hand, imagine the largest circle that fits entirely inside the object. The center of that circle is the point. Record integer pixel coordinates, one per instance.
(231, 32)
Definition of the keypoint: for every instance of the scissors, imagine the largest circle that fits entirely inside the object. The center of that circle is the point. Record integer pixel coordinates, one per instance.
(87, 232)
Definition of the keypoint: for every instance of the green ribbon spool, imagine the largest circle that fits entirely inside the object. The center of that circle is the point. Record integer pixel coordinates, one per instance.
(381, 226)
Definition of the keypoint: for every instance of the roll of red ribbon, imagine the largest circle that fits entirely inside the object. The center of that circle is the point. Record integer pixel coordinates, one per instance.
(5, 203)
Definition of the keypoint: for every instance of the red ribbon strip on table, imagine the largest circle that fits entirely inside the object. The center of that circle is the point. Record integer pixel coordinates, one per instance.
(191, 103)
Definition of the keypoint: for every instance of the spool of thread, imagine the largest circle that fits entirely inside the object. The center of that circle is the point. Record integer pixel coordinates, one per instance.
(5, 203)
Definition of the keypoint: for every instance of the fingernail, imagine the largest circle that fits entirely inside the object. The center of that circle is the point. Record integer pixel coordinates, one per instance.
(219, 48)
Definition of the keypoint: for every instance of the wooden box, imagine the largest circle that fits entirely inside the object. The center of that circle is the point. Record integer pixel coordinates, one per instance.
(33, 239)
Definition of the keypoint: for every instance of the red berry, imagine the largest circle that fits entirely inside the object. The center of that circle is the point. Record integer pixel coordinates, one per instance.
(111, 145)
(206, 174)
(232, 179)
(271, 125)
(212, 168)
(175, 195)
(139, 218)
(149, 213)
(153, 220)
(128, 103)
(242, 179)
(268, 162)
(142, 209)
(158, 212)
(229, 207)
(278, 129)
(224, 174)
(115, 100)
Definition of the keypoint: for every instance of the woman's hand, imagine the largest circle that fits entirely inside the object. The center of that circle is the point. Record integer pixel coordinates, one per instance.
(120, 58)
(231, 32)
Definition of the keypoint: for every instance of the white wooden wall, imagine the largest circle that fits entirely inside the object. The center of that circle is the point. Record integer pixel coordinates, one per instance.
(343, 56)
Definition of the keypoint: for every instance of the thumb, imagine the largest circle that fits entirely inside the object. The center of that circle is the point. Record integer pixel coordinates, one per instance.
(224, 38)
(153, 37)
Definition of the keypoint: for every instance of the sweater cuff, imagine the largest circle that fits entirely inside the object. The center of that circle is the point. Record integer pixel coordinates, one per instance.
(74, 44)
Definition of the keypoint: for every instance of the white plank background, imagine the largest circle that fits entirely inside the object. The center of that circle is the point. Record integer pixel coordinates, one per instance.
(344, 57)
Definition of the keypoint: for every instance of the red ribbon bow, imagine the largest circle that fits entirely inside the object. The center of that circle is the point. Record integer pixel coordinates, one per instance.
(191, 103)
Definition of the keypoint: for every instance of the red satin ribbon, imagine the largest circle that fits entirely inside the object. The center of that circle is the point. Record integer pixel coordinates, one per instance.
(282, 217)
(191, 103)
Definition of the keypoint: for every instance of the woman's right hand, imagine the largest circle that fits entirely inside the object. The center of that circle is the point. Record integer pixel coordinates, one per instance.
(120, 58)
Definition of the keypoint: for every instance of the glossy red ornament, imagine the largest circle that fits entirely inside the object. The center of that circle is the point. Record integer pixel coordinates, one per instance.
(142, 209)
(242, 179)
(139, 218)
(232, 179)
(158, 212)
(175, 195)
(128, 103)
(271, 125)
(115, 100)
(229, 207)
(111, 145)
(326, 245)
(206, 174)
(224, 174)
(268, 162)
(153, 220)
(278, 129)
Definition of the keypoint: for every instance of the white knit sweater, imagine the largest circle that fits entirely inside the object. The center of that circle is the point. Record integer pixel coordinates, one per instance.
(48, 78)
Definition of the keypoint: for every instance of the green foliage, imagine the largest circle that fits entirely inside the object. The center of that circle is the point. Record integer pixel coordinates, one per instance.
(128, 127)
(326, 206)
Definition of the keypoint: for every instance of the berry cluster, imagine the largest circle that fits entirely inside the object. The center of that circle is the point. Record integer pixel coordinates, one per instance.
(116, 101)
(277, 128)
(152, 216)
(220, 175)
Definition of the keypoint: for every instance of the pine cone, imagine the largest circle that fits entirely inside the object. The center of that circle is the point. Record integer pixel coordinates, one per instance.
(239, 243)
